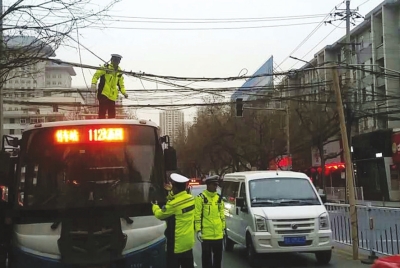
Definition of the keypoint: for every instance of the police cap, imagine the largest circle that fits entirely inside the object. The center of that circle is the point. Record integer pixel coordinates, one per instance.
(211, 179)
(116, 56)
(178, 178)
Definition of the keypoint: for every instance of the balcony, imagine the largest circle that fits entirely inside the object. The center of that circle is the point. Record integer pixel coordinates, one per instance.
(379, 52)
(15, 126)
(380, 81)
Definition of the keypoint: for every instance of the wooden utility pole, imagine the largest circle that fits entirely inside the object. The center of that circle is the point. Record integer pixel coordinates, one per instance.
(349, 165)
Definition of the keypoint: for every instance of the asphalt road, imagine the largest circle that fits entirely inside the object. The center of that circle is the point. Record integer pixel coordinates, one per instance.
(237, 259)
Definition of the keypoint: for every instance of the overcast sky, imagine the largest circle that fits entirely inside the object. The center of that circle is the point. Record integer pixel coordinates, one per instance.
(206, 52)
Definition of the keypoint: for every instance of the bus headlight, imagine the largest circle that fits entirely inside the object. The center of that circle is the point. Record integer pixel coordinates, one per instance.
(324, 221)
(261, 223)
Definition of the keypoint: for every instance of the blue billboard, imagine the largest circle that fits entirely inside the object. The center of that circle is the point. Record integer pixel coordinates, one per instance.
(245, 91)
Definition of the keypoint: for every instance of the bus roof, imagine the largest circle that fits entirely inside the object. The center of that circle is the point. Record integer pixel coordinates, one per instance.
(92, 122)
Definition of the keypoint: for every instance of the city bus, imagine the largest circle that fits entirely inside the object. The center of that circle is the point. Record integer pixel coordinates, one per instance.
(80, 194)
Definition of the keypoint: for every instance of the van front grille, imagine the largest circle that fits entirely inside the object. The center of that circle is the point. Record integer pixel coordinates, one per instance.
(294, 226)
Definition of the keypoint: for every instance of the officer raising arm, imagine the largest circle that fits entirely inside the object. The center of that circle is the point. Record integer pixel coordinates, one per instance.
(179, 215)
(111, 80)
(210, 223)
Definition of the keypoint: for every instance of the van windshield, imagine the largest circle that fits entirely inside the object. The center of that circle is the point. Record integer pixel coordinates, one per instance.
(282, 192)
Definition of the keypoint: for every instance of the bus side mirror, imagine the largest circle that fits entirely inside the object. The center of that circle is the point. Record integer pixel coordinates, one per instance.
(5, 166)
(170, 159)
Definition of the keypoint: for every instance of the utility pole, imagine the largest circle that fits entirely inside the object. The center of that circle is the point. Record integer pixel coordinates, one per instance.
(348, 164)
(288, 134)
(1, 78)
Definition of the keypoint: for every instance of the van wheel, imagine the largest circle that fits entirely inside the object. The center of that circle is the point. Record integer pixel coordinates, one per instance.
(323, 257)
(228, 243)
(251, 253)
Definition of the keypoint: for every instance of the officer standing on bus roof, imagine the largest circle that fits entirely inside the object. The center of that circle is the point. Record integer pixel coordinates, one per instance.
(111, 80)
(210, 223)
(179, 215)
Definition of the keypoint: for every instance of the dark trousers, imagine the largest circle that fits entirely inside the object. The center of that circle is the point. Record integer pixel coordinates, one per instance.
(211, 255)
(106, 105)
(181, 260)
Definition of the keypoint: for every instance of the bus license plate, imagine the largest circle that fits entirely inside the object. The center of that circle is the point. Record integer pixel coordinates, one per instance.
(297, 240)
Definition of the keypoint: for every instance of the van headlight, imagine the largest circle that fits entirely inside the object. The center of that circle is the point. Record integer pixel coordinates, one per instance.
(261, 223)
(324, 221)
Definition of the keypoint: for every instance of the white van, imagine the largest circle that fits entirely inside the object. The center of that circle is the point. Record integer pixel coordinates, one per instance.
(275, 212)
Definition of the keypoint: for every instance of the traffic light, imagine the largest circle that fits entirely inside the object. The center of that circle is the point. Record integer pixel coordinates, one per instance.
(239, 107)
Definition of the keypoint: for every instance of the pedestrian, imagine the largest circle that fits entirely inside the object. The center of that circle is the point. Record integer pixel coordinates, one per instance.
(111, 80)
(179, 215)
(210, 223)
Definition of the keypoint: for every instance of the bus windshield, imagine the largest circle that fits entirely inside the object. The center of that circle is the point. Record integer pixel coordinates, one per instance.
(80, 169)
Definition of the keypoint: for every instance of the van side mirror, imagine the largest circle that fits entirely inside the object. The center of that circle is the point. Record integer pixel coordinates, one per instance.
(323, 198)
(239, 202)
(170, 159)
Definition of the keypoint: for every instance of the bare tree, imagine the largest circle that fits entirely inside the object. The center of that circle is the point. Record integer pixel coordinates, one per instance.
(319, 122)
(219, 141)
(33, 30)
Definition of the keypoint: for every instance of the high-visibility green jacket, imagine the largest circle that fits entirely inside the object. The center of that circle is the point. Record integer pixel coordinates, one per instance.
(209, 217)
(110, 81)
(179, 214)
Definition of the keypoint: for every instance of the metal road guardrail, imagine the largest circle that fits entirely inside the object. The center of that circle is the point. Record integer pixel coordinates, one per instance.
(339, 193)
(378, 227)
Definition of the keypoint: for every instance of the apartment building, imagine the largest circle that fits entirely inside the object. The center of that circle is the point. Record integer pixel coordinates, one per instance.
(172, 124)
(374, 87)
(374, 47)
(29, 88)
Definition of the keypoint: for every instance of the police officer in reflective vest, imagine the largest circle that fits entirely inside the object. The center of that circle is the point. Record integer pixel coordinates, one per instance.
(179, 214)
(210, 223)
(111, 80)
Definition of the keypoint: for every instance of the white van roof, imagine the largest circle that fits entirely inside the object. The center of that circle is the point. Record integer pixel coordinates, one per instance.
(266, 174)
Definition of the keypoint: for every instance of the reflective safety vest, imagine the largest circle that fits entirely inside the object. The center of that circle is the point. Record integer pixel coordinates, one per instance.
(209, 215)
(179, 214)
(110, 82)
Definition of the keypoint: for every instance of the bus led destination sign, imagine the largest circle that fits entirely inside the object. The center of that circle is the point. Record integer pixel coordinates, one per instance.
(88, 135)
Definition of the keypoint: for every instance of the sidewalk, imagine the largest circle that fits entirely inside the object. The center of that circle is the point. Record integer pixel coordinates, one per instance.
(345, 255)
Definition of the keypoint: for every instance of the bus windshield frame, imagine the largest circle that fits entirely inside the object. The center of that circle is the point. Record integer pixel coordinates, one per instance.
(126, 174)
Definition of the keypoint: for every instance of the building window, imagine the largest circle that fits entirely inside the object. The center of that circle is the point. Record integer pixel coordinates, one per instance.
(22, 121)
(12, 132)
(59, 76)
(12, 121)
(46, 94)
(68, 94)
(364, 95)
(372, 91)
